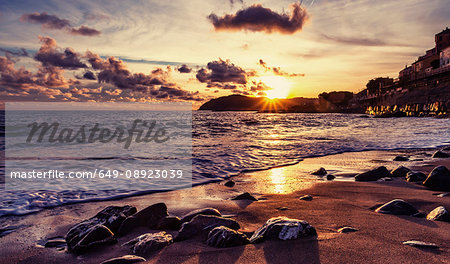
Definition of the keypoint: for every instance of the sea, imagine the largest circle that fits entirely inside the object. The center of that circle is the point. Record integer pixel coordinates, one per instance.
(225, 144)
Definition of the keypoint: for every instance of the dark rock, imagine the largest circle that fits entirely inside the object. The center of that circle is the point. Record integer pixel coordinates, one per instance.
(4, 230)
(439, 214)
(397, 207)
(438, 179)
(415, 243)
(320, 172)
(284, 208)
(104, 222)
(385, 179)
(202, 224)
(347, 229)
(230, 183)
(96, 236)
(55, 242)
(447, 148)
(415, 176)
(400, 172)
(147, 217)
(401, 158)
(204, 211)
(245, 196)
(373, 175)
(127, 259)
(149, 242)
(169, 223)
(419, 215)
(222, 236)
(283, 228)
(306, 197)
(330, 177)
(440, 154)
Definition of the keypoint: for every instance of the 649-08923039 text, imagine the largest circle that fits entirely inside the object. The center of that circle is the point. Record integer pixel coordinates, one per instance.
(98, 173)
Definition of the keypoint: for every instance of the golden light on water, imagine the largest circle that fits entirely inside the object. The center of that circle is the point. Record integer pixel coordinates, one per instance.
(280, 86)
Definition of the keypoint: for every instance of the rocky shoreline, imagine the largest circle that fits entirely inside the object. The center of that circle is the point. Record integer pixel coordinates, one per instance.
(241, 219)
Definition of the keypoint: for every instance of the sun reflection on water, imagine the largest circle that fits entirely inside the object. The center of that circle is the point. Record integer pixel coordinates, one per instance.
(278, 179)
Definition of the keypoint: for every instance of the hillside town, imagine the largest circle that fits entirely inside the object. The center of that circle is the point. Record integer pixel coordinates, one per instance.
(423, 86)
(435, 63)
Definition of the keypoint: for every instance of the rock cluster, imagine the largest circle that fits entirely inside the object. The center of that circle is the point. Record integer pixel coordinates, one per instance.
(98, 230)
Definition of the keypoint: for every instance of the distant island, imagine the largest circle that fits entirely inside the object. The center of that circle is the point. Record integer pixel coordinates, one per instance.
(421, 89)
(326, 102)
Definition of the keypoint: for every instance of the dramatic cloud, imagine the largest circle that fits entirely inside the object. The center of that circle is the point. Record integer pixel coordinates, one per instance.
(15, 53)
(259, 18)
(53, 22)
(85, 31)
(222, 71)
(49, 55)
(114, 81)
(46, 20)
(278, 71)
(184, 69)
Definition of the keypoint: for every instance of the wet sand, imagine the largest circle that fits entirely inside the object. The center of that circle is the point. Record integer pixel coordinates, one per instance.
(335, 204)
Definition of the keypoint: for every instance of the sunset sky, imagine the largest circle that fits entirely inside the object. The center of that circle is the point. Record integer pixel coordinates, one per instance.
(54, 50)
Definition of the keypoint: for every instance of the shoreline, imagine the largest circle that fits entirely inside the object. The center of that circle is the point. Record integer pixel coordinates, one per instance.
(275, 188)
(218, 180)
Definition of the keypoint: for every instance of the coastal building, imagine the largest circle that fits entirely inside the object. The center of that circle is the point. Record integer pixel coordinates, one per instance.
(406, 74)
(442, 40)
(445, 58)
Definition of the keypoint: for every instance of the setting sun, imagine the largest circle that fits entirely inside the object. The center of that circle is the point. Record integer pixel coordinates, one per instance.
(280, 86)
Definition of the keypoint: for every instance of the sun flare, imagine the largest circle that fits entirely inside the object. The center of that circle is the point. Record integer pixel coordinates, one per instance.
(280, 86)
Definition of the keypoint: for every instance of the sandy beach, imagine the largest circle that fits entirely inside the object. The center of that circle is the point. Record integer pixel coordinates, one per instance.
(335, 204)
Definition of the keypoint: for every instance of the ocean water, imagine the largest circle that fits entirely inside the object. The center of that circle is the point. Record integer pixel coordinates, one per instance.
(227, 143)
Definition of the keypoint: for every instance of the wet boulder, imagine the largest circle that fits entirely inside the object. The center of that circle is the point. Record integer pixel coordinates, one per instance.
(147, 217)
(415, 176)
(149, 242)
(397, 207)
(283, 228)
(169, 223)
(306, 197)
(440, 154)
(204, 211)
(373, 175)
(420, 244)
(127, 259)
(96, 236)
(245, 196)
(331, 177)
(230, 183)
(439, 214)
(438, 179)
(103, 226)
(222, 237)
(347, 229)
(202, 224)
(400, 172)
(401, 158)
(320, 172)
